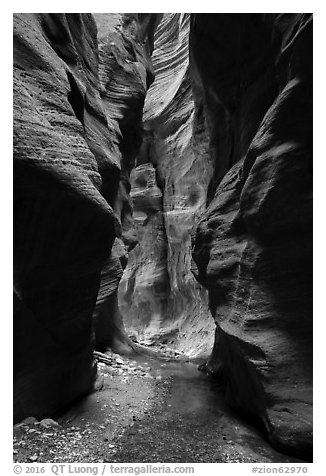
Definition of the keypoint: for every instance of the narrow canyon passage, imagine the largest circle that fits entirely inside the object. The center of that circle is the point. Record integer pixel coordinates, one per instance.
(162, 222)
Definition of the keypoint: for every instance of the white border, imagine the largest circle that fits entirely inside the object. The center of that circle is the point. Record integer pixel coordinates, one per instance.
(318, 8)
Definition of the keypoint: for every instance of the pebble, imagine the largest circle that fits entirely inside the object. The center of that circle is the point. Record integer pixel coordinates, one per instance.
(48, 422)
(29, 420)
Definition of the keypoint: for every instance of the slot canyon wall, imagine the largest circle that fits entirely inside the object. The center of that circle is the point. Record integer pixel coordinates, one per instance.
(216, 220)
(78, 100)
(253, 246)
(229, 126)
(159, 297)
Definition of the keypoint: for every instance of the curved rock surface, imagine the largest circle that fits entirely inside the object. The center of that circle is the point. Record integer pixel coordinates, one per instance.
(159, 298)
(125, 44)
(73, 97)
(253, 245)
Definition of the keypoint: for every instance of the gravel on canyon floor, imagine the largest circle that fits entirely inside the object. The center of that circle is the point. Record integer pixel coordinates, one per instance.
(144, 411)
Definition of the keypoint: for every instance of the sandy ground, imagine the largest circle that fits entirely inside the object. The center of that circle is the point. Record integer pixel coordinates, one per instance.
(145, 411)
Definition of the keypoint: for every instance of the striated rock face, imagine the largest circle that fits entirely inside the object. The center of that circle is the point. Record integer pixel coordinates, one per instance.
(253, 245)
(159, 298)
(125, 72)
(73, 126)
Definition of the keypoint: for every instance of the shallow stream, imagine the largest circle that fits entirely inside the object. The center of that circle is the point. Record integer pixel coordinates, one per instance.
(192, 423)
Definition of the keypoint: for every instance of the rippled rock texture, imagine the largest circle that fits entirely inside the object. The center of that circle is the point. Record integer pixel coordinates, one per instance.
(159, 297)
(77, 119)
(253, 245)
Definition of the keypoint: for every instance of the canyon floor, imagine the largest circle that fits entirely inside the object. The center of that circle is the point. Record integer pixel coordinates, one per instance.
(146, 410)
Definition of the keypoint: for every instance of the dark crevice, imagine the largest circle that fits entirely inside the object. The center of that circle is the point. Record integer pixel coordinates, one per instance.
(76, 98)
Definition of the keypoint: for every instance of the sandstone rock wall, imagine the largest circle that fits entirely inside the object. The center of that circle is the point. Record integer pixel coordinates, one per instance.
(73, 97)
(159, 298)
(125, 72)
(253, 246)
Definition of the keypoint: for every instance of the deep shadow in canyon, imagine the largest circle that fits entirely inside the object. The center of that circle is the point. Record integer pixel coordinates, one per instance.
(163, 203)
